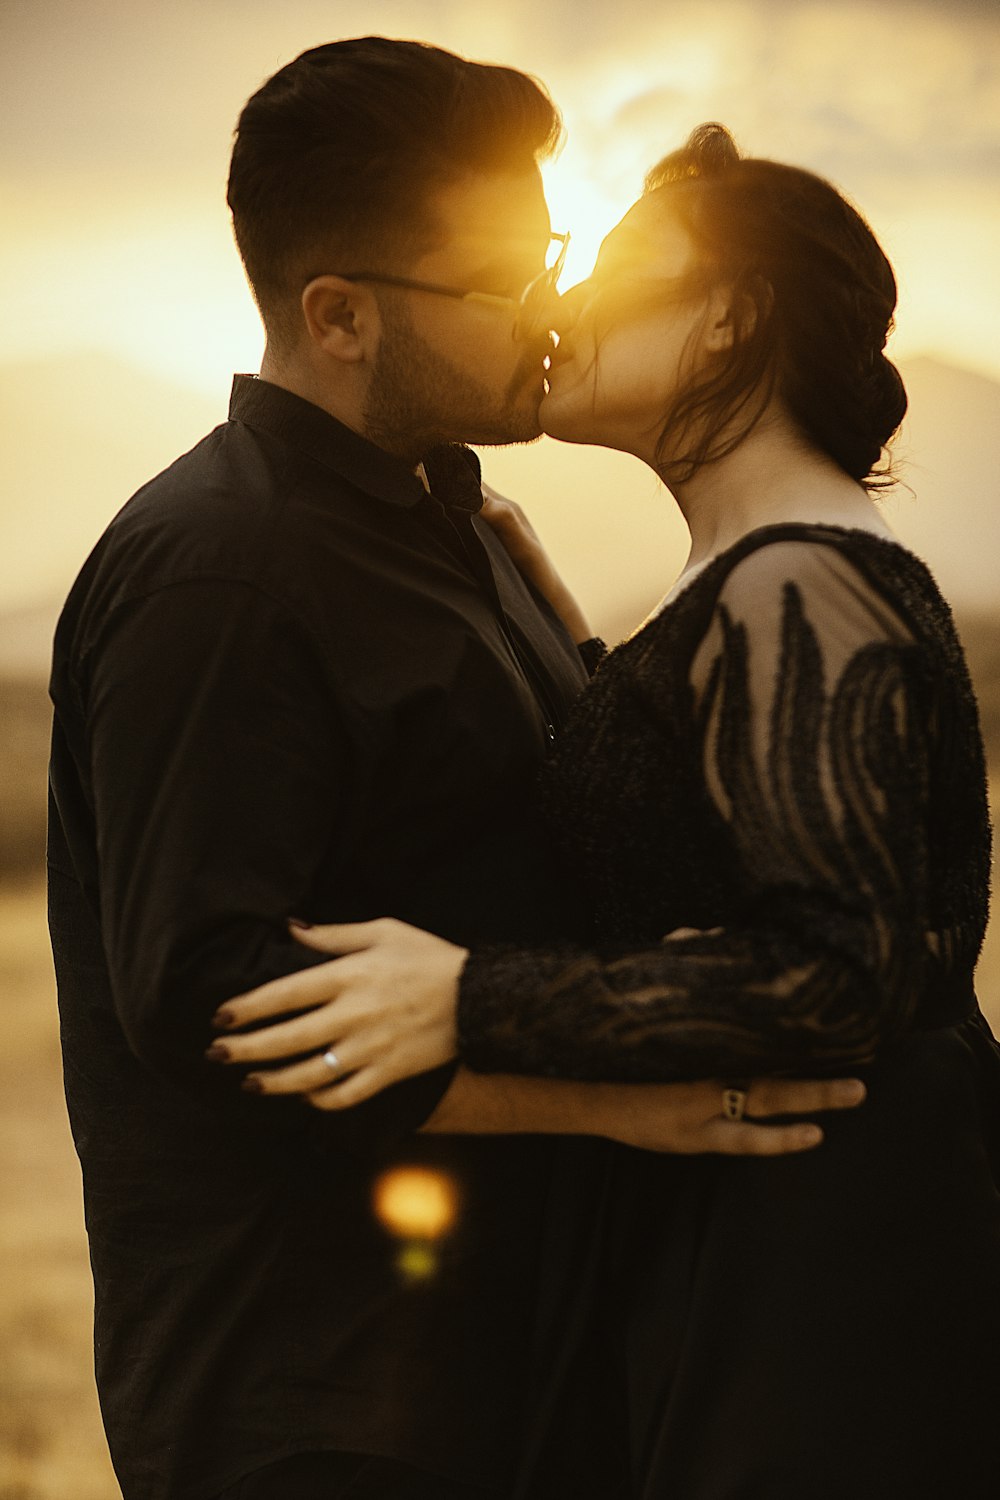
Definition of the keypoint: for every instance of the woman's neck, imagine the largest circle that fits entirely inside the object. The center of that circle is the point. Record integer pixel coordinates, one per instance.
(772, 477)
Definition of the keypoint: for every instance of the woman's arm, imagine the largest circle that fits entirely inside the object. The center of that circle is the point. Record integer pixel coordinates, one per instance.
(683, 1118)
(811, 726)
(811, 717)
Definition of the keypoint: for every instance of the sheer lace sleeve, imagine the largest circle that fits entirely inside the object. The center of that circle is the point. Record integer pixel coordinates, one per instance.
(592, 653)
(810, 716)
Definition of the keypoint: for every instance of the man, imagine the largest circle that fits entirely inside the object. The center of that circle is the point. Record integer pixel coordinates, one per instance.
(298, 675)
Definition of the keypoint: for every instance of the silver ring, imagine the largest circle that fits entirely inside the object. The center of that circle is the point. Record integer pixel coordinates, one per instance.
(734, 1103)
(332, 1061)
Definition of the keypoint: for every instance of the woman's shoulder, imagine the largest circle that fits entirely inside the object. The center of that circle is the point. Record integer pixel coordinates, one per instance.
(814, 548)
(841, 577)
(845, 589)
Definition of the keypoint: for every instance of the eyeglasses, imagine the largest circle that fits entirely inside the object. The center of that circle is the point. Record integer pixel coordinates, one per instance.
(531, 306)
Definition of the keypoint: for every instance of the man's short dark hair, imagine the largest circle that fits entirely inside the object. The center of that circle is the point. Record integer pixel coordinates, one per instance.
(336, 155)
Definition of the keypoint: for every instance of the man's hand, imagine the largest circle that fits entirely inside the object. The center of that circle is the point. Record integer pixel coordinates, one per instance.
(684, 1118)
(688, 1118)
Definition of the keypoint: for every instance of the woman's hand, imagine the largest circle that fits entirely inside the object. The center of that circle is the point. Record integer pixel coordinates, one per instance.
(383, 1012)
(531, 559)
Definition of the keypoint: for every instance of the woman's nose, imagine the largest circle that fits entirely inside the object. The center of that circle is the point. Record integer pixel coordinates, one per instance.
(568, 308)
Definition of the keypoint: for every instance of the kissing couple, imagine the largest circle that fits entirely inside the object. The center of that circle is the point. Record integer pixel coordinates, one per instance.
(365, 855)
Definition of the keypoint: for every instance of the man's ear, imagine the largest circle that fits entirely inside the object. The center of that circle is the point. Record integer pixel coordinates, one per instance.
(342, 318)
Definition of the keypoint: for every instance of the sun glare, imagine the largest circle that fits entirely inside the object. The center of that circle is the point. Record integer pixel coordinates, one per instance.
(618, 126)
(579, 204)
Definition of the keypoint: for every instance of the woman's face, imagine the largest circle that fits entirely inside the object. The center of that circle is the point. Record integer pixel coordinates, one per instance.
(631, 336)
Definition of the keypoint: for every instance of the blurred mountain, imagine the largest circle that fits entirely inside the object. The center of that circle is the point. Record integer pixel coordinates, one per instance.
(620, 541)
(949, 456)
(79, 435)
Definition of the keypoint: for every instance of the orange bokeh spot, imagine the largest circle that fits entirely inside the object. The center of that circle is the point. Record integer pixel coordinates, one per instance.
(416, 1202)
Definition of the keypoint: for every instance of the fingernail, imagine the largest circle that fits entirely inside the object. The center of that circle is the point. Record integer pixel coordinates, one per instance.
(298, 922)
(222, 1019)
(252, 1085)
(812, 1135)
(218, 1052)
(855, 1089)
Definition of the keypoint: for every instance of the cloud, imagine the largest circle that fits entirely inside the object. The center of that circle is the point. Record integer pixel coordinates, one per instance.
(117, 115)
(143, 89)
(899, 105)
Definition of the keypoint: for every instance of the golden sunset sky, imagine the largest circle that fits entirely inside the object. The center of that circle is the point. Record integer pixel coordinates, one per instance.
(117, 120)
(124, 313)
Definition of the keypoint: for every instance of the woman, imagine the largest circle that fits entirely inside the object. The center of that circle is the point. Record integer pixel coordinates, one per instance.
(774, 797)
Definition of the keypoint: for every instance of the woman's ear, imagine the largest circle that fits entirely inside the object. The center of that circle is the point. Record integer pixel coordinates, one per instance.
(723, 320)
(342, 318)
(733, 313)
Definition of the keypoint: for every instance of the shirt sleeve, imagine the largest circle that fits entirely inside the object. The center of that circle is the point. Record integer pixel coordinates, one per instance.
(811, 714)
(222, 779)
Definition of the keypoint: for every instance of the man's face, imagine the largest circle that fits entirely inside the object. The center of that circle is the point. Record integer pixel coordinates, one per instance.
(451, 371)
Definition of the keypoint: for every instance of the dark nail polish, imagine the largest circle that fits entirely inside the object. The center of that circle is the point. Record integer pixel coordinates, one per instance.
(298, 922)
(222, 1019)
(218, 1052)
(252, 1085)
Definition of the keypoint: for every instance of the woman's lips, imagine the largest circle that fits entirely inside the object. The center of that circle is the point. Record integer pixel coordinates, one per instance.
(560, 355)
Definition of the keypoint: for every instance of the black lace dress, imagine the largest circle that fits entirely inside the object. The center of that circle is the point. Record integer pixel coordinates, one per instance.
(787, 759)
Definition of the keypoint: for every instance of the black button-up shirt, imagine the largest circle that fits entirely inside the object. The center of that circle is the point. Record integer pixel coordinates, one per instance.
(290, 681)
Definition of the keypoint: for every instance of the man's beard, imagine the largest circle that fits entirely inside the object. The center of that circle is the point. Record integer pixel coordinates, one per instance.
(417, 398)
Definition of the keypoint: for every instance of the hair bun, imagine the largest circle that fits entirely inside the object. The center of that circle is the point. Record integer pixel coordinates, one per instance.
(887, 398)
(816, 295)
(708, 152)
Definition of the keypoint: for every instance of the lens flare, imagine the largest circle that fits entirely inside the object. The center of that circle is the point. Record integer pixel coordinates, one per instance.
(416, 1203)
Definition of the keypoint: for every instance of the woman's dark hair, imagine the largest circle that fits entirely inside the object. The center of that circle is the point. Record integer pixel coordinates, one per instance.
(336, 155)
(813, 304)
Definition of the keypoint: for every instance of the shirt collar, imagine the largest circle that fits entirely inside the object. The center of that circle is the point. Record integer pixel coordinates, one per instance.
(452, 471)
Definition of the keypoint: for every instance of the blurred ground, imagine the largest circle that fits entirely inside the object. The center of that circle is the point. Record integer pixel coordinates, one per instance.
(51, 1440)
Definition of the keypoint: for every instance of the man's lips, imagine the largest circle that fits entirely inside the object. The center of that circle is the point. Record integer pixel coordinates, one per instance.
(533, 366)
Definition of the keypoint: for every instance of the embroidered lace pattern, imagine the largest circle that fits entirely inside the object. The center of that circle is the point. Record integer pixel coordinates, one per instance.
(773, 798)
